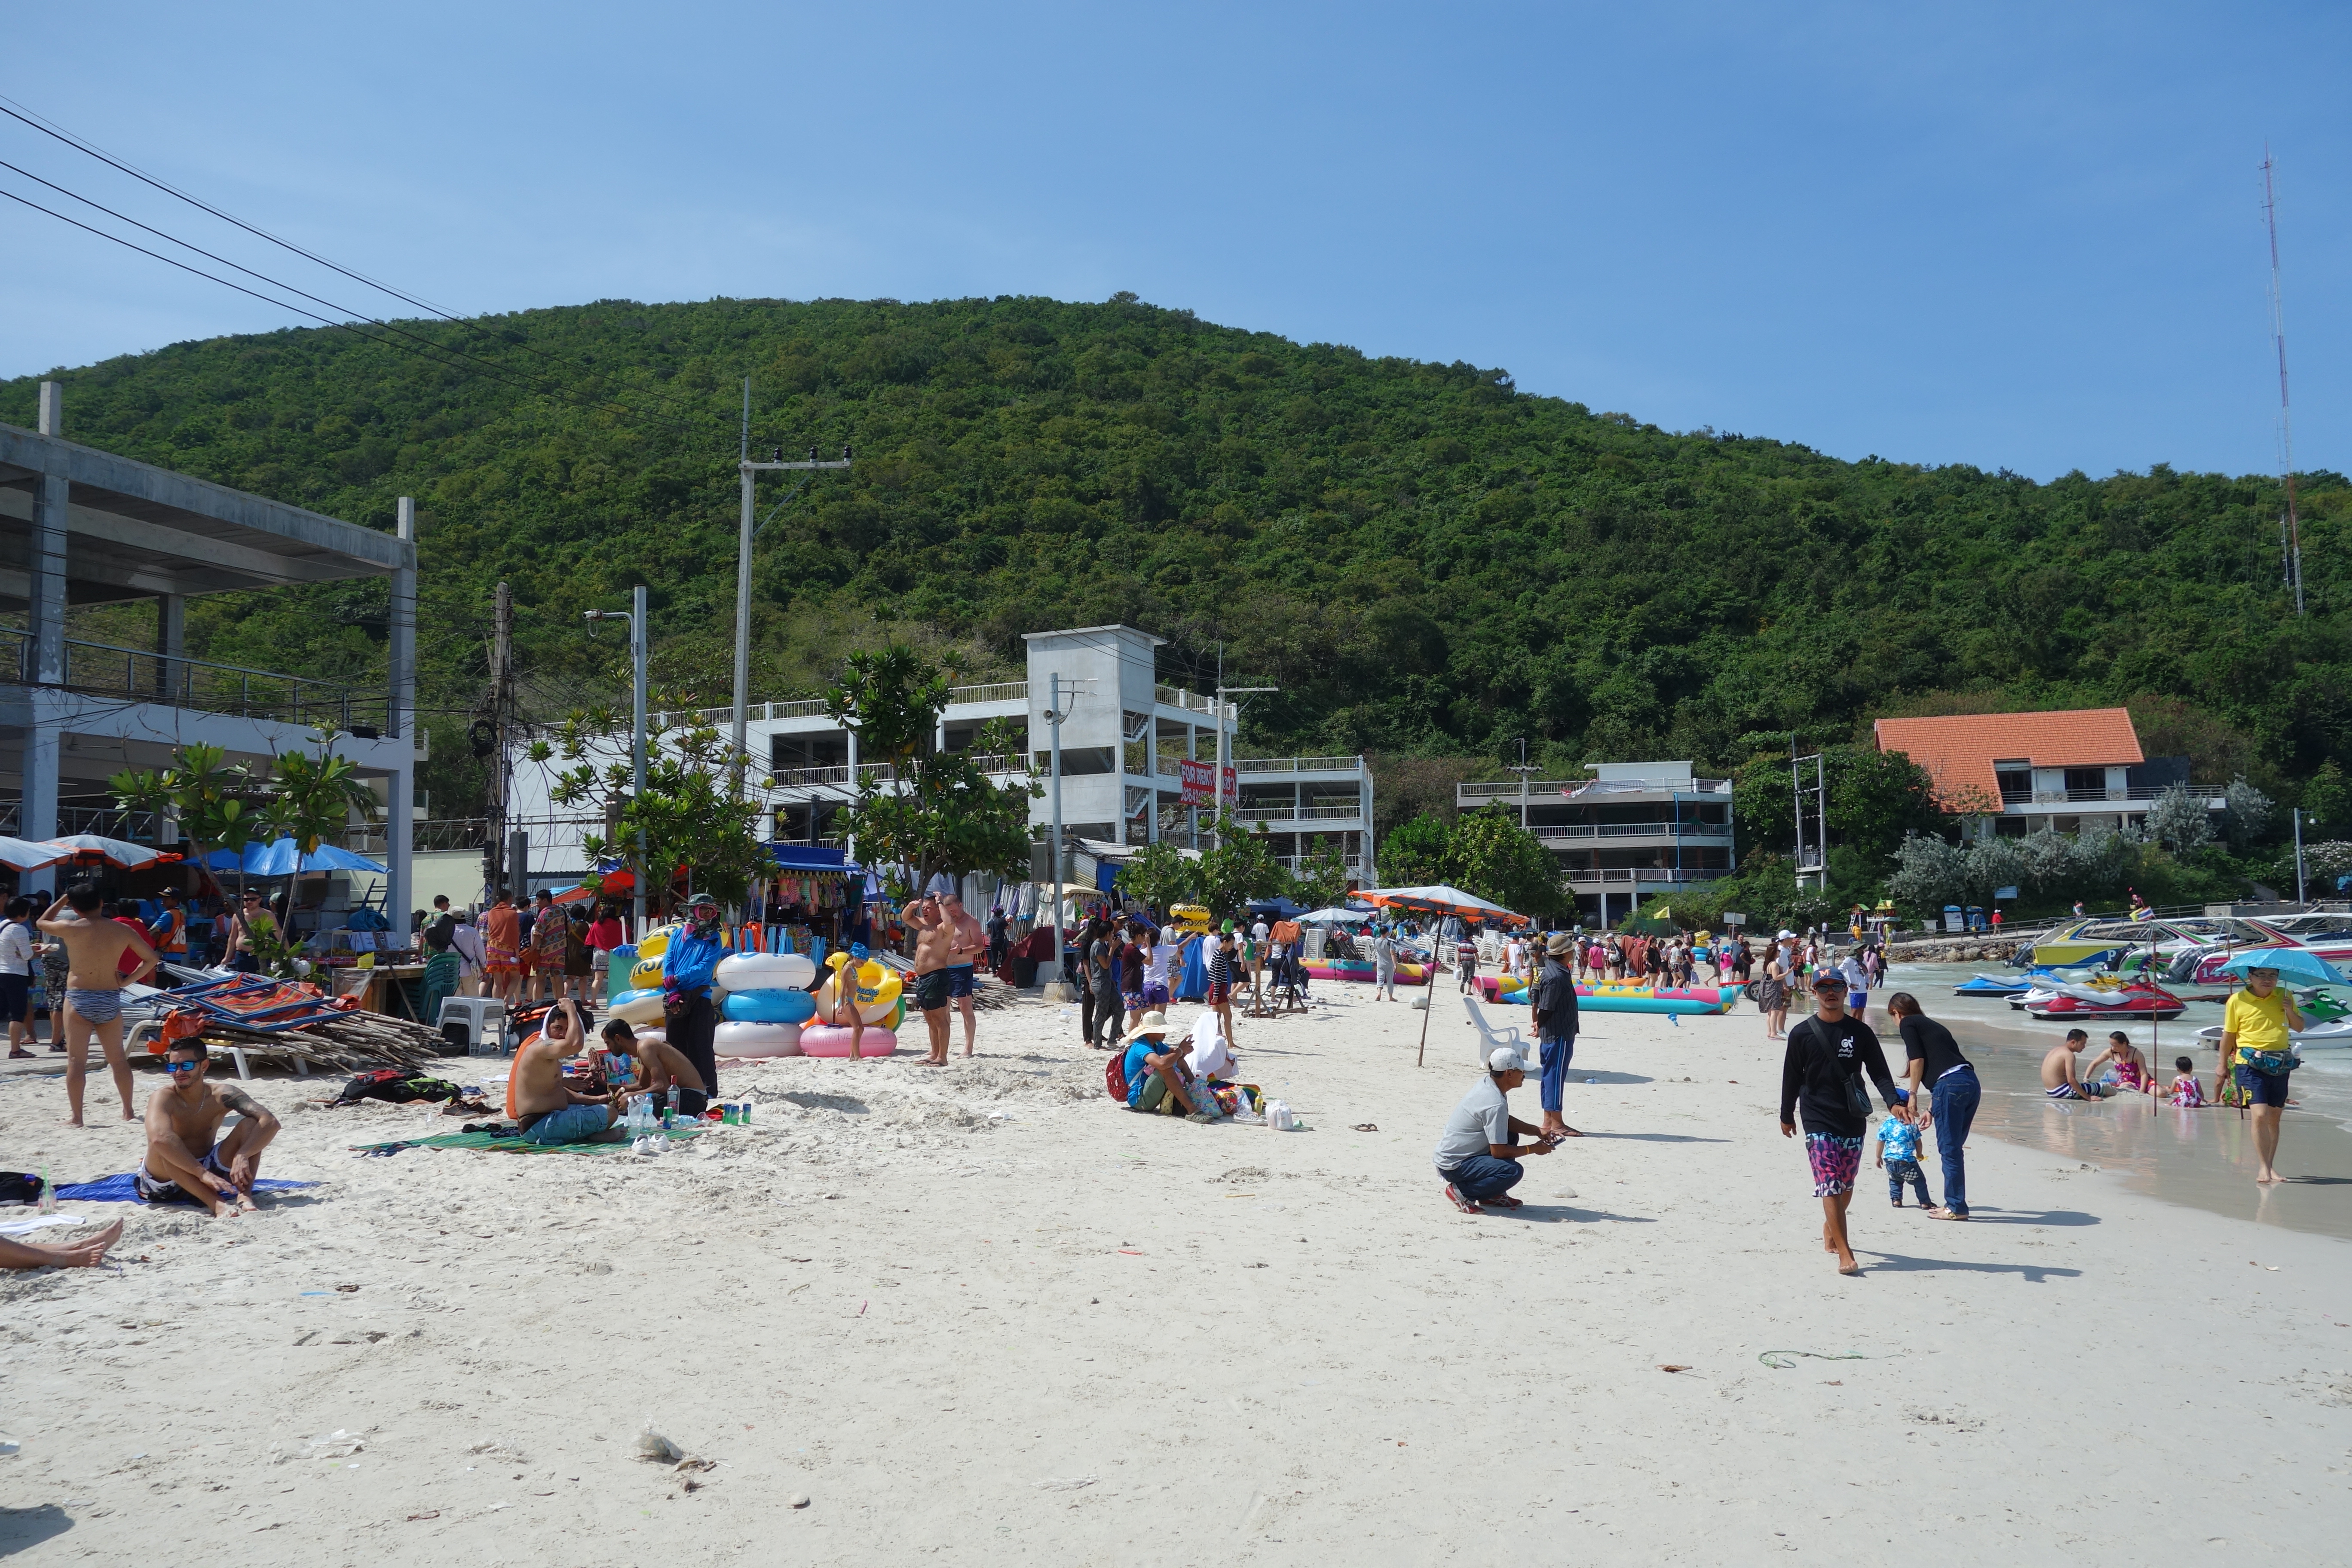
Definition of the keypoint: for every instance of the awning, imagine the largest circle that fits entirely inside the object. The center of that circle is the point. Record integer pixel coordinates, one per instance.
(809, 858)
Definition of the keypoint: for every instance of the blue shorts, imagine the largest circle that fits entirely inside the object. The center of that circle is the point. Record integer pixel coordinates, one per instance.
(572, 1124)
(2264, 1088)
(1155, 994)
(1856, 1001)
(960, 982)
(95, 1006)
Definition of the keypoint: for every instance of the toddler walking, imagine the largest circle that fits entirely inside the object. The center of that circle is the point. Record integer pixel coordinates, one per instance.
(1898, 1154)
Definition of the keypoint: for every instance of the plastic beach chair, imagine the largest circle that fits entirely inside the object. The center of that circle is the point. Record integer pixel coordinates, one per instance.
(1490, 1042)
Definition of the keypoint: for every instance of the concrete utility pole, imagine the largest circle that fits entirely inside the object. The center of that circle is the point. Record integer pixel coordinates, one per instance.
(639, 641)
(1053, 717)
(748, 472)
(504, 871)
(1225, 750)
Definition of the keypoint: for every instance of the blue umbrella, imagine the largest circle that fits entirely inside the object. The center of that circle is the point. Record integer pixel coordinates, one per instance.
(2295, 965)
(277, 858)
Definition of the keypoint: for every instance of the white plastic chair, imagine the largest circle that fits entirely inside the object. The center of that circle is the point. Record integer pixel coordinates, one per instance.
(1490, 1042)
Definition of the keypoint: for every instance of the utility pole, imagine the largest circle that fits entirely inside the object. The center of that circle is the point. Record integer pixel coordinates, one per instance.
(1054, 714)
(1224, 748)
(1526, 770)
(748, 472)
(639, 640)
(502, 873)
(2299, 888)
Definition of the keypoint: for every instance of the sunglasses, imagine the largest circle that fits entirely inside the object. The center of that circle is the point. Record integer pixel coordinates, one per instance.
(176, 1068)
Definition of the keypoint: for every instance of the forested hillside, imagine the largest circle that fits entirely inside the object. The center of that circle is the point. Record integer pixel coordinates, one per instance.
(1425, 560)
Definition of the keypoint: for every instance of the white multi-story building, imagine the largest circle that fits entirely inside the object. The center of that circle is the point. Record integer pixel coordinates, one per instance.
(1631, 830)
(1123, 743)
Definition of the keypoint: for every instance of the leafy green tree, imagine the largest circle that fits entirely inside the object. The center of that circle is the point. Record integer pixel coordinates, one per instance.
(1875, 799)
(1160, 874)
(1322, 879)
(924, 810)
(1414, 854)
(2177, 820)
(217, 803)
(691, 815)
(1490, 855)
(1240, 869)
(2327, 798)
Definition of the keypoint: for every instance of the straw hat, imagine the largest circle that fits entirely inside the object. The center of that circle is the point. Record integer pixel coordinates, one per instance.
(1149, 1024)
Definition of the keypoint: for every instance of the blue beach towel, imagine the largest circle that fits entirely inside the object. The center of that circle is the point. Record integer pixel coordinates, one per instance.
(121, 1189)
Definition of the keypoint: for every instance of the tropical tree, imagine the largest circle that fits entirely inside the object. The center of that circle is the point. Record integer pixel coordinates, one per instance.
(689, 816)
(924, 811)
(1492, 855)
(2177, 820)
(1322, 881)
(1160, 874)
(1240, 869)
(1413, 854)
(217, 803)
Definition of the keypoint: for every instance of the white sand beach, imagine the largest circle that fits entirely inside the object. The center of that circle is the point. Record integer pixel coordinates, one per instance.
(979, 1314)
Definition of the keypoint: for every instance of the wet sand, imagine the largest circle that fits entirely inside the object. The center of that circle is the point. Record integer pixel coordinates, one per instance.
(2201, 1158)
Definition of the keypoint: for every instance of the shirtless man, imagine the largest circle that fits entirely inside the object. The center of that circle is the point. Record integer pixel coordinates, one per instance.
(967, 945)
(550, 1110)
(934, 954)
(2131, 1067)
(187, 1155)
(2061, 1076)
(655, 1067)
(94, 948)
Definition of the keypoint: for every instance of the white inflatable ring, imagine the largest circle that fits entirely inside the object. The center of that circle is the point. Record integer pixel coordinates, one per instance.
(756, 1040)
(636, 1007)
(767, 971)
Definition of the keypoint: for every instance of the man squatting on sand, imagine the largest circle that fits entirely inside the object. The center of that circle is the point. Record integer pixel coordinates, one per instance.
(1478, 1156)
(187, 1155)
(652, 1067)
(94, 949)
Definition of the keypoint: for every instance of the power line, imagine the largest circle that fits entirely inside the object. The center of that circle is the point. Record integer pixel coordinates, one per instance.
(49, 128)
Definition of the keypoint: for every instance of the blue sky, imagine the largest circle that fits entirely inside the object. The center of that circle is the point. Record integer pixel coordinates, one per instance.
(2026, 237)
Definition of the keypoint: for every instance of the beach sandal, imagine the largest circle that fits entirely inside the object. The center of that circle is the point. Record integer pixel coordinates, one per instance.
(1944, 1214)
(18, 1054)
(1465, 1205)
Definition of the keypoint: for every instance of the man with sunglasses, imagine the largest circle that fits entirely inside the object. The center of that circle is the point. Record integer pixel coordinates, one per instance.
(184, 1118)
(252, 920)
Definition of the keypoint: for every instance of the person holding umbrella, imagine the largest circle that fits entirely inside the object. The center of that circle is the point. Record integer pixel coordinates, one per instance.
(2258, 1028)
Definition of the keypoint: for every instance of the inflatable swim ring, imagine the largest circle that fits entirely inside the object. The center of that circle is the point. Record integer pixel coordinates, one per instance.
(877, 992)
(645, 975)
(767, 971)
(654, 942)
(757, 1040)
(636, 1007)
(833, 1040)
(1190, 919)
(768, 1007)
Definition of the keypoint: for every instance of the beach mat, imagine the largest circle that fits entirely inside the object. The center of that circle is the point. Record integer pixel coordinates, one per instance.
(507, 1145)
(123, 1189)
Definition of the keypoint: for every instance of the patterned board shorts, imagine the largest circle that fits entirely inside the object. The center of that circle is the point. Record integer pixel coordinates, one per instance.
(1834, 1161)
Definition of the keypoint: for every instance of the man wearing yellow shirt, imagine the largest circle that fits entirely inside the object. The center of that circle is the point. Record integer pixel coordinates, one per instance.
(2261, 1019)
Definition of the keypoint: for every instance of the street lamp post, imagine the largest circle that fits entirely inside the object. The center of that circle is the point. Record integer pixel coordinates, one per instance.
(638, 640)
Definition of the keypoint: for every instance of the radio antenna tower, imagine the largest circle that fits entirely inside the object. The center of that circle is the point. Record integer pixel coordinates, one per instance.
(2290, 528)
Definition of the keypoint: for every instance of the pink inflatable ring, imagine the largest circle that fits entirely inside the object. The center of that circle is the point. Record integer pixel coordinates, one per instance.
(833, 1040)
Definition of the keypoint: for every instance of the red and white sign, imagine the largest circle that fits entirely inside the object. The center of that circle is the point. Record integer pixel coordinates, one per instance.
(1199, 782)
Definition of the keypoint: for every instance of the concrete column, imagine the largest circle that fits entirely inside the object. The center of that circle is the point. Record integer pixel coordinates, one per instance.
(38, 818)
(400, 808)
(401, 639)
(1152, 772)
(170, 642)
(48, 564)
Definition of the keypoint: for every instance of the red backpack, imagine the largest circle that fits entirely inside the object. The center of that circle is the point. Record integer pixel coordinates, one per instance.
(1115, 1076)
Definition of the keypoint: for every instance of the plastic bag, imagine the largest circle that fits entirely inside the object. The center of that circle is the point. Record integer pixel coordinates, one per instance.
(1278, 1116)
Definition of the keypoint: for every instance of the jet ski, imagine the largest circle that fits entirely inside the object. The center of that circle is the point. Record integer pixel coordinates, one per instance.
(2137, 1000)
(1994, 985)
(2335, 1036)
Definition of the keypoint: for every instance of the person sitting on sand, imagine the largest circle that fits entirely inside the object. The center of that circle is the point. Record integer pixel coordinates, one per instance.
(1479, 1155)
(654, 1067)
(2062, 1077)
(95, 947)
(87, 1253)
(185, 1117)
(2186, 1090)
(1158, 1078)
(549, 1109)
(2131, 1067)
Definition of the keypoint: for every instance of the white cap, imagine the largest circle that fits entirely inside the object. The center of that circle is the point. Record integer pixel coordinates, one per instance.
(1505, 1059)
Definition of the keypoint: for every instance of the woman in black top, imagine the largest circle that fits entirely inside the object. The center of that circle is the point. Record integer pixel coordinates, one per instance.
(1949, 1081)
(1822, 1071)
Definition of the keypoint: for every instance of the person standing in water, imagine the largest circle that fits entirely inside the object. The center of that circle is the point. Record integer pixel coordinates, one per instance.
(1822, 1070)
(2258, 1028)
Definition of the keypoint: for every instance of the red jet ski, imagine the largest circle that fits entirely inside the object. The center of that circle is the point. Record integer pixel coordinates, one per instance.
(2137, 1000)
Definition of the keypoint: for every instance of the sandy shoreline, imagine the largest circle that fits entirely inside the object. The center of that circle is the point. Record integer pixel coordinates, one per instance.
(981, 1314)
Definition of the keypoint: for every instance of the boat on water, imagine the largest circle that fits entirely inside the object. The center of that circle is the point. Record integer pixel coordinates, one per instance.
(2137, 1000)
(1993, 986)
(2333, 1036)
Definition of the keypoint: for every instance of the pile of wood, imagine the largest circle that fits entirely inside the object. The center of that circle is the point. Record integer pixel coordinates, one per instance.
(354, 1041)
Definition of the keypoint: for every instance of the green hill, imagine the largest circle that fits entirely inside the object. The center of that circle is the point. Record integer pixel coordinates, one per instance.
(1425, 560)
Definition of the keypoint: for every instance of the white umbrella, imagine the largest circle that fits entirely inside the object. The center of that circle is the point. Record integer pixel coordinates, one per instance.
(27, 857)
(1335, 916)
(118, 852)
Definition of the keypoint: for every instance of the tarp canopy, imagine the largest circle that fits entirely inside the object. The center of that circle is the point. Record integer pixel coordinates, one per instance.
(1444, 899)
(278, 858)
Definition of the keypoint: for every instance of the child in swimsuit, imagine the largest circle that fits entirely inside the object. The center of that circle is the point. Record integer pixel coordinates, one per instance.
(2187, 1092)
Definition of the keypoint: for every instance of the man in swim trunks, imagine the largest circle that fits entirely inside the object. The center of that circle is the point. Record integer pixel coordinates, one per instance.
(2062, 1077)
(549, 1109)
(94, 981)
(502, 950)
(2131, 1067)
(966, 942)
(934, 953)
(185, 1117)
(654, 1067)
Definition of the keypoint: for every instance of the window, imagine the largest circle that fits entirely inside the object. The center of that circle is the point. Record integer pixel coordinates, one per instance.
(2015, 779)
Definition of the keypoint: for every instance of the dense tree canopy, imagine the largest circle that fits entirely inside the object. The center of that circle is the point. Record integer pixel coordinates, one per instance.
(1426, 561)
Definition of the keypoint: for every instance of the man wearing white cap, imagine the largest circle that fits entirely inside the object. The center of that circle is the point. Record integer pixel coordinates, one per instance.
(1479, 1155)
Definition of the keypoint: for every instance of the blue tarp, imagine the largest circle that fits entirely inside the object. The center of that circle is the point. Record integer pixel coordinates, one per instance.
(277, 858)
(809, 858)
(122, 1189)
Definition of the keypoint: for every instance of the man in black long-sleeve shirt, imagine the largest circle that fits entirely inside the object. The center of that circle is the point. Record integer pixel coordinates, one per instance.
(1827, 1056)
(1555, 1011)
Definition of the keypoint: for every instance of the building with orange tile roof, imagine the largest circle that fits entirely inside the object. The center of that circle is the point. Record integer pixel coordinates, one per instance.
(2066, 770)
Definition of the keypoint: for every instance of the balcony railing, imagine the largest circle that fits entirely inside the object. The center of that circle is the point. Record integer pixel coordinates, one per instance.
(1586, 789)
(1710, 832)
(143, 674)
(1299, 813)
(1190, 701)
(1297, 764)
(1588, 877)
(2128, 795)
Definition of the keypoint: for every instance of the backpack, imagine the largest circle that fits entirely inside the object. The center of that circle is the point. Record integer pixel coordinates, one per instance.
(397, 1088)
(1115, 1076)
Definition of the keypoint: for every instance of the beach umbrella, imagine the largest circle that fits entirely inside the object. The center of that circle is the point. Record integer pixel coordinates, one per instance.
(2295, 965)
(24, 856)
(278, 858)
(1444, 899)
(1335, 916)
(120, 852)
